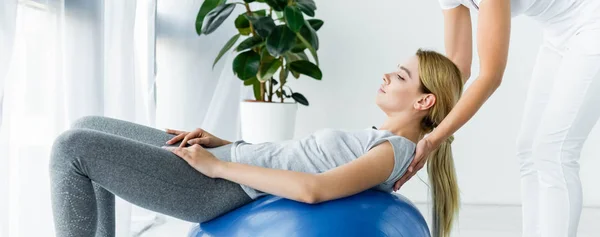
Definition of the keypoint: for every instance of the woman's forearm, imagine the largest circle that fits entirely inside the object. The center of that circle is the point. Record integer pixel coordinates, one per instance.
(467, 106)
(293, 185)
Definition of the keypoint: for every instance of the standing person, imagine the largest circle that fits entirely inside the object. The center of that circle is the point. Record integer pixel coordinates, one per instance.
(561, 106)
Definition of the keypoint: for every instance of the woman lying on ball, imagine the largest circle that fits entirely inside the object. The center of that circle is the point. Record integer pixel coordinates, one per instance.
(100, 157)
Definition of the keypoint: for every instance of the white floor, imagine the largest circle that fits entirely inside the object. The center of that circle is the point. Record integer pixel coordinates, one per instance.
(474, 221)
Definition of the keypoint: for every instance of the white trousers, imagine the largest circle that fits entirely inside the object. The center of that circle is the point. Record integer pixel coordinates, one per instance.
(562, 106)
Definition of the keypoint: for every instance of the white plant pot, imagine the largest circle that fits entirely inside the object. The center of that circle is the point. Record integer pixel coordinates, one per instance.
(267, 122)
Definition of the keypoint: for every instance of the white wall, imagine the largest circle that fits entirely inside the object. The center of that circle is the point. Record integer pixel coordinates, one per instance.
(360, 41)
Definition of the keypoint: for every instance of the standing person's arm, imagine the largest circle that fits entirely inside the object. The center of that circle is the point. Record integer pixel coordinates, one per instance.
(458, 39)
(493, 35)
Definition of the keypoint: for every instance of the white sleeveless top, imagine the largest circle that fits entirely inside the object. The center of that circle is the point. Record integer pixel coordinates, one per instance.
(323, 150)
(541, 10)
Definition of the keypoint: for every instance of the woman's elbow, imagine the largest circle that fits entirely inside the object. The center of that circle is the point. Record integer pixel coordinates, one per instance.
(466, 75)
(310, 193)
(496, 81)
(309, 199)
(493, 80)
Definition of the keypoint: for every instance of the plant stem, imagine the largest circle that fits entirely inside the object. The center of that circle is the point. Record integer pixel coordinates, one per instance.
(262, 91)
(282, 97)
(249, 12)
(281, 78)
(270, 94)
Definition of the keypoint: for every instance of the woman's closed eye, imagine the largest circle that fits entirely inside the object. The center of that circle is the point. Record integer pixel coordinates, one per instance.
(399, 77)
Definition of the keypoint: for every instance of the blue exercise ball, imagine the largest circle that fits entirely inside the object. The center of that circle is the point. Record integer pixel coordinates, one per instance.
(369, 213)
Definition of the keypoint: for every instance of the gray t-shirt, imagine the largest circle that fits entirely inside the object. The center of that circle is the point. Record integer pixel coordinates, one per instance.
(321, 151)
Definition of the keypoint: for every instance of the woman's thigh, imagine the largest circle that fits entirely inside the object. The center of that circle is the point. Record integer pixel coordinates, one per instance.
(145, 175)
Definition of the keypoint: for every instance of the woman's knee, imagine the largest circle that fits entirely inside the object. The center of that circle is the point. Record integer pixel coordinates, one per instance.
(86, 121)
(67, 144)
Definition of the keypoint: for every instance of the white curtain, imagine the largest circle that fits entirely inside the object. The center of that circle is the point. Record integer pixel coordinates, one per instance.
(8, 11)
(61, 60)
(191, 94)
(69, 59)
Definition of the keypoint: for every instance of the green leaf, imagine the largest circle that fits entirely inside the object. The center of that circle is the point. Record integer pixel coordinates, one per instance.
(207, 6)
(250, 42)
(280, 40)
(274, 82)
(312, 50)
(265, 56)
(300, 98)
(307, 6)
(263, 25)
(306, 68)
(245, 65)
(250, 81)
(245, 31)
(310, 35)
(292, 57)
(215, 18)
(293, 18)
(256, 87)
(260, 12)
(241, 21)
(226, 48)
(295, 74)
(278, 93)
(242, 24)
(315, 23)
(267, 69)
(283, 75)
(298, 46)
(277, 5)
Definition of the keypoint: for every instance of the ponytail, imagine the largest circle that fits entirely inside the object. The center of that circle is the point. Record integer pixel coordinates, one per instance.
(442, 176)
(442, 78)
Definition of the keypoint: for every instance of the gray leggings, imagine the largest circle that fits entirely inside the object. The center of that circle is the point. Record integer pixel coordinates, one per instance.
(100, 157)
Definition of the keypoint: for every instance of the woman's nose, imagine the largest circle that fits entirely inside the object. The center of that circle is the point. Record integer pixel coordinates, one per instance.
(385, 79)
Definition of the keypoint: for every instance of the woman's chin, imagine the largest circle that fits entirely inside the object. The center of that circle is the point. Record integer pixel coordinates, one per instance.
(378, 102)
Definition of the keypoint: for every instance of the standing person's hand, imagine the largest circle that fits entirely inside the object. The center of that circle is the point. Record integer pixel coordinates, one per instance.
(424, 147)
(198, 136)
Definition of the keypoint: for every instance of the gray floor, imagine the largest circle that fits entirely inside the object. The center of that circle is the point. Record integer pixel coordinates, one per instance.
(474, 221)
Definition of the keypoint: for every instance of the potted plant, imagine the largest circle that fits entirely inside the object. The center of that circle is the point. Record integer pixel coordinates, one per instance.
(272, 44)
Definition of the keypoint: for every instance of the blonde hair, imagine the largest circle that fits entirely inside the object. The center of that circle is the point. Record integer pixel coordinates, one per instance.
(442, 78)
